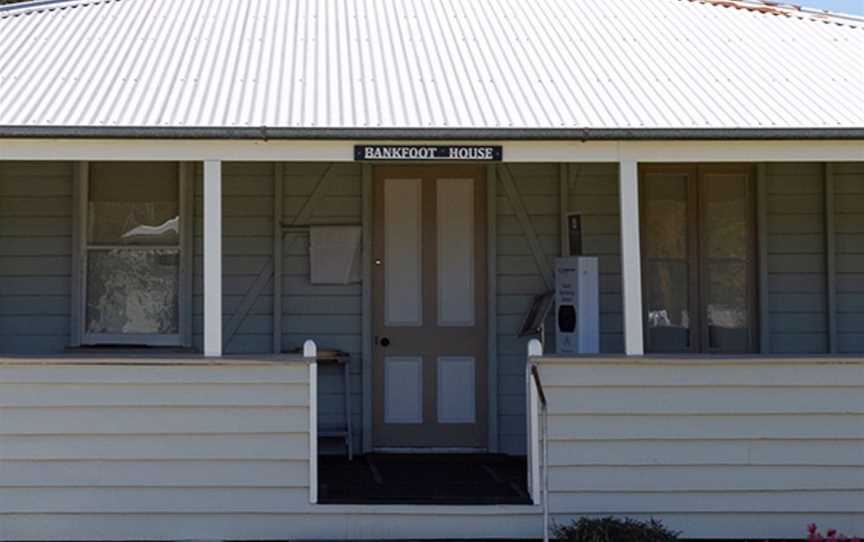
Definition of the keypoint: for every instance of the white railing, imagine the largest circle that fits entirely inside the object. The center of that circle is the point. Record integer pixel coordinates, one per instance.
(538, 445)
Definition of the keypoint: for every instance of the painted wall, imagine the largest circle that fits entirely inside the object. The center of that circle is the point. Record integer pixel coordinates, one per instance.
(194, 452)
(715, 448)
(849, 227)
(797, 298)
(35, 256)
(329, 314)
(592, 191)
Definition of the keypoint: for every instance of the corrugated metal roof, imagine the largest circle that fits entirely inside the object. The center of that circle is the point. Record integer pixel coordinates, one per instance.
(428, 64)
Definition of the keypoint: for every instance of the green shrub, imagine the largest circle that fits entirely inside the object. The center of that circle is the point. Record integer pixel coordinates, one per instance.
(614, 530)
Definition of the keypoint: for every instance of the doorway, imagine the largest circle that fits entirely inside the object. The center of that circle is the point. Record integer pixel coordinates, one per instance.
(429, 309)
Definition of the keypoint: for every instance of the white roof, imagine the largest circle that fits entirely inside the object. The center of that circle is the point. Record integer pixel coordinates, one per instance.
(428, 66)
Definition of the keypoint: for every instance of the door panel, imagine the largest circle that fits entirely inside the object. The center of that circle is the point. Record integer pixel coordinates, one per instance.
(455, 229)
(402, 243)
(457, 396)
(403, 389)
(429, 296)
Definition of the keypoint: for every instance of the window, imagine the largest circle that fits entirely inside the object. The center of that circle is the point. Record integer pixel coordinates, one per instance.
(698, 250)
(133, 258)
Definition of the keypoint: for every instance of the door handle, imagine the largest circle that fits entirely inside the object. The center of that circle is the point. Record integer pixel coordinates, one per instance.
(385, 342)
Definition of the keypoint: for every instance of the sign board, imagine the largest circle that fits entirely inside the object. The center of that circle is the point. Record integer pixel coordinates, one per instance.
(574, 234)
(474, 153)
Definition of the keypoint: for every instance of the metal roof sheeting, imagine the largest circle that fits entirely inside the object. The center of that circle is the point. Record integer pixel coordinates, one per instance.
(427, 64)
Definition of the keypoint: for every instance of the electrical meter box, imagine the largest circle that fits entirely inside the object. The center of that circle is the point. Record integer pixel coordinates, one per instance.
(577, 305)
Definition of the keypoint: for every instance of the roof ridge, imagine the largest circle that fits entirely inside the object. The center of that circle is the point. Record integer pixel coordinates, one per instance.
(772, 7)
(35, 6)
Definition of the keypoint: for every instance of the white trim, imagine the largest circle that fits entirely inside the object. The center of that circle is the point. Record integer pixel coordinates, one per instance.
(514, 151)
(535, 349)
(212, 258)
(310, 352)
(631, 263)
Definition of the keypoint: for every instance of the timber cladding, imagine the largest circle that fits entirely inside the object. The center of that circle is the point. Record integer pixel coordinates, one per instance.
(36, 226)
(713, 447)
(849, 230)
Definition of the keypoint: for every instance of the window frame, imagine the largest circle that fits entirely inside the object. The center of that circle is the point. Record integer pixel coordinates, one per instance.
(183, 337)
(697, 288)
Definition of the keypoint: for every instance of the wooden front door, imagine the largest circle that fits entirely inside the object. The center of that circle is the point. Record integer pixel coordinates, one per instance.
(430, 367)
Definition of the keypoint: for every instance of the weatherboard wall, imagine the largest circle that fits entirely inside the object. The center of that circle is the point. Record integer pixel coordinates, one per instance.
(848, 181)
(751, 448)
(36, 259)
(36, 227)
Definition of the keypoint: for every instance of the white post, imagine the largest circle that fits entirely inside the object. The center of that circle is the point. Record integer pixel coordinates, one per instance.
(213, 258)
(310, 352)
(535, 348)
(631, 258)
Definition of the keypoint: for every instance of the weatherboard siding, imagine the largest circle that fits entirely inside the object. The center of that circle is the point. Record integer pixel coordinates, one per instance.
(186, 449)
(797, 285)
(593, 191)
(331, 315)
(247, 231)
(35, 256)
(696, 442)
(519, 279)
(328, 314)
(132, 442)
(849, 246)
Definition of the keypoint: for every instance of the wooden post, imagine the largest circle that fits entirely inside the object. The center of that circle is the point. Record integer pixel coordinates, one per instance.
(762, 242)
(310, 352)
(213, 258)
(366, 325)
(278, 253)
(535, 349)
(830, 260)
(492, 297)
(631, 258)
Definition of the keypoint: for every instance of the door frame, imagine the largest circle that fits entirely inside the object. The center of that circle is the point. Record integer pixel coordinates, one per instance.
(367, 327)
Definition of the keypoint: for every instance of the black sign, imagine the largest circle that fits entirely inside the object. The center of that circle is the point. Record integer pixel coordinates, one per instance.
(480, 153)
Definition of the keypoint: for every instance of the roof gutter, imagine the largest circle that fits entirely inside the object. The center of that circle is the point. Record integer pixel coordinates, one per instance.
(427, 134)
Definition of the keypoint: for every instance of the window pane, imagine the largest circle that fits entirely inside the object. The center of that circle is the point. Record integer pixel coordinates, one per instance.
(126, 223)
(726, 307)
(667, 303)
(726, 216)
(665, 216)
(132, 291)
(727, 225)
(666, 272)
(133, 204)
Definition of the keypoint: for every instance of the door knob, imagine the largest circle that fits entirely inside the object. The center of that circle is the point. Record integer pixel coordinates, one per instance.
(385, 342)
